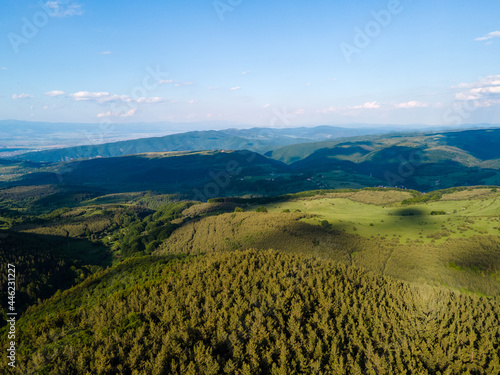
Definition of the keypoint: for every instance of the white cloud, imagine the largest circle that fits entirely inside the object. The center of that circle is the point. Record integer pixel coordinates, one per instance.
(267, 105)
(465, 96)
(105, 114)
(21, 96)
(371, 105)
(63, 8)
(411, 104)
(350, 108)
(179, 84)
(367, 105)
(486, 91)
(106, 53)
(129, 113)
(176, 83)
(493, 34)
(192, 101)
(245, 73)
(486, 103)
(55, 93)
(329, 109)
(106, 97)
(308, 84)
(86, 95)
(486, 81)
(214, 88)
(299, 111)
(4, 68)
(235, 88)
(154, 99)
(100, 97)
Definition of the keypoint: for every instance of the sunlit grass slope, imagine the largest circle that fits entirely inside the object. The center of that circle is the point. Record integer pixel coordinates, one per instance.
(447, 242)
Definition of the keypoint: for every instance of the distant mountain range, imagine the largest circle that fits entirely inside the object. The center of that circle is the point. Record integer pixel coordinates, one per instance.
(422, 162)
(259, 140)
(69, 141)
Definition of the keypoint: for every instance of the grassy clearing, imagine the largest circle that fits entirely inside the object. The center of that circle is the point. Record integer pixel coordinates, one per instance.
(446, 242)
(461, 218)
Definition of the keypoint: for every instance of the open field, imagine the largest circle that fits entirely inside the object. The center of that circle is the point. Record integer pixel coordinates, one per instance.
(461, 215)
(449, 238)
(447, 242)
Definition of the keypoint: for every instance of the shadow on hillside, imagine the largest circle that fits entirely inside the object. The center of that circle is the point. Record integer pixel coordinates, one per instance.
(45, 264)
(480, 254)
(250, 230)
(83, 250)
(410, 211)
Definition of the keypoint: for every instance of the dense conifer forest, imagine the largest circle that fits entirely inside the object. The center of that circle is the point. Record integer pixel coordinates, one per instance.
(257, 312)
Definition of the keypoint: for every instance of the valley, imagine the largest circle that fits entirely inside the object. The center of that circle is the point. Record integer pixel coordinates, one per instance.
(423, 162)
(115, 253)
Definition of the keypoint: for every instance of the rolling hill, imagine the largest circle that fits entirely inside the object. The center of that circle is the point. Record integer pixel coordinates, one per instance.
(423, 162)
(256, 139)
(373, 281)
(191, 141)
(452, 240)
(308, 286)
(255, 312)
(479, 144)
(215, 173)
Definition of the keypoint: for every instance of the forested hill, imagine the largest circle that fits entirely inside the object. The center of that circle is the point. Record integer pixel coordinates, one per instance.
(191, 141)
(256, 139)
(423, 162)
(475, 145)
(172, 172)
(255, 312)
(372, 281)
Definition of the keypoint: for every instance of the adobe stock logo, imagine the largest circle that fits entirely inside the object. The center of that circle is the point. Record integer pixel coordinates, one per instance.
(406, 168)
(31, 27)
(222, 179)
(223, 6)
(363, 37)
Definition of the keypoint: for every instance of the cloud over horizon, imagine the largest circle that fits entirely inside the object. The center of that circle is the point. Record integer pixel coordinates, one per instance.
(411, 104)
(21, 96)
(106, 97)
(485, 92)
(367, 105)
(54, 93)
(129, 113)
(493, 34)
(63, 8)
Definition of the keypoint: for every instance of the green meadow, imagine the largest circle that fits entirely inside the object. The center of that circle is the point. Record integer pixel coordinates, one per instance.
(456, 215)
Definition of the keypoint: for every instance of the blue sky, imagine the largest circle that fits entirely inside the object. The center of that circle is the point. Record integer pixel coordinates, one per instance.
(263, 63)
